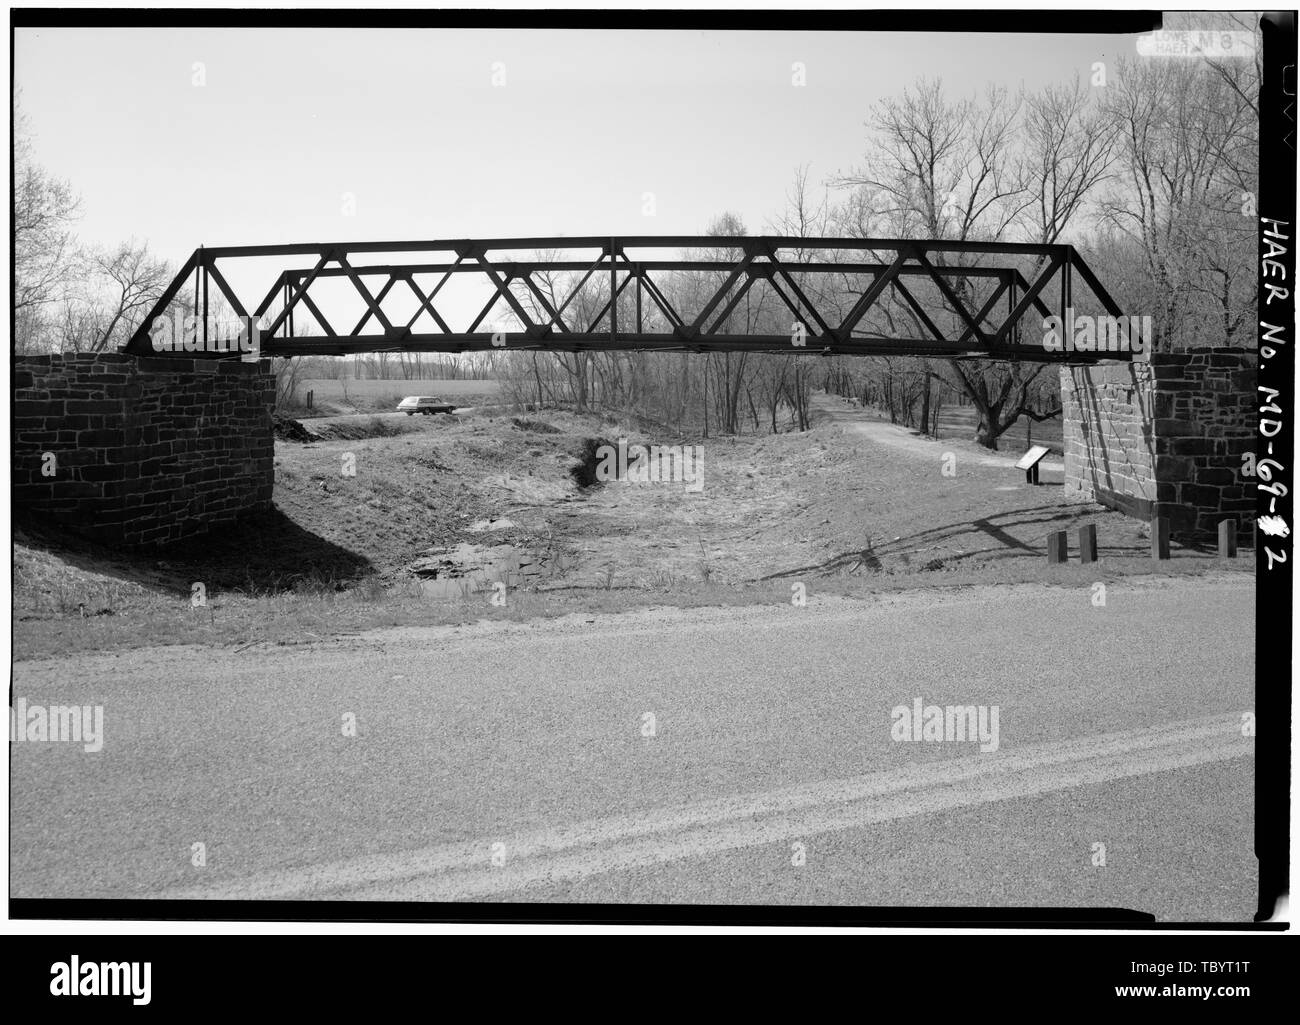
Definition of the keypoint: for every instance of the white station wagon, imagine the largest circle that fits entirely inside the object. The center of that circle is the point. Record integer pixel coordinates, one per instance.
(424, 404)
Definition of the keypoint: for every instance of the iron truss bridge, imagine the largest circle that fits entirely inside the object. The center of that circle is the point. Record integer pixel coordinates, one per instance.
(828, 296)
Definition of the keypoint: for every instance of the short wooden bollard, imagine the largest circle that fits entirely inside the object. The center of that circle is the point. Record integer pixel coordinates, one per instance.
(1088, 543)
(1227, 539)
(1160, 537)
(1057, 548)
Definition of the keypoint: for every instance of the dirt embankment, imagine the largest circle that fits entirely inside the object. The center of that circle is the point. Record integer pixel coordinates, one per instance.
(418, 519)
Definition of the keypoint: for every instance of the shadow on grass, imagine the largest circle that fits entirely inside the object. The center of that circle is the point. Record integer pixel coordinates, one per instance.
(1050, 516)
(262, 553)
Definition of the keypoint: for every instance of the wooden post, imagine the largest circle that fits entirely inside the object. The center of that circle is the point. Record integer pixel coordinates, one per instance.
(1088, 543)
(1058, 548)
(1160, 537)
(1227, 539)
(1031, 475)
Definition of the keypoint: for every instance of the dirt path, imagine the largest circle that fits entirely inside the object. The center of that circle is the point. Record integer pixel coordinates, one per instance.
(858, 421)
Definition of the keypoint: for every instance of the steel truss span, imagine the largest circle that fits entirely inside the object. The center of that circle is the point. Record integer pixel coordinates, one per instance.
(824, 296)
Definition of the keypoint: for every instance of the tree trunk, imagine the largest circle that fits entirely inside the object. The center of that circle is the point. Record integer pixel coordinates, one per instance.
(986, 430)
(706, 396)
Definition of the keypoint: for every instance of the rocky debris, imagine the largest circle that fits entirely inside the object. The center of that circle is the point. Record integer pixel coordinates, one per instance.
(292, 430)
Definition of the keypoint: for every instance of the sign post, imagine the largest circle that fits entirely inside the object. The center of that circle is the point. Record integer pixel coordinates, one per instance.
(1029, 462)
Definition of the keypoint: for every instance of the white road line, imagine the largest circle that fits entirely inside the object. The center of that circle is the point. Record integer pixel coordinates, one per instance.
(464, 871)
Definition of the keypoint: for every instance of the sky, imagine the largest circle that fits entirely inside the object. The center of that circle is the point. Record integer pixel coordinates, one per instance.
(287, 124)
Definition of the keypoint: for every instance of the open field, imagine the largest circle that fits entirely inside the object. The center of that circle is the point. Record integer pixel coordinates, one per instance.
(346, 395)
(440, 512)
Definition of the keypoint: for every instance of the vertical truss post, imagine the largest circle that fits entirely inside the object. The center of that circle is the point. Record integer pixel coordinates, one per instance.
(613, 294)
(203, 262)
(1065, 295)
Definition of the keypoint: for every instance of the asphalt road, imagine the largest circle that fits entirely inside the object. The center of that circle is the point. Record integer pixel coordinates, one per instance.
(702, 756)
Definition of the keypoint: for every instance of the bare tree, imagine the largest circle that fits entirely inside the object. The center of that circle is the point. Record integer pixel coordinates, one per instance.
(1067, 149)
(1184, 199)
(553, 291)
(289, 372)
(1070, 148)
(116, 290)
(44, 211)
(949, 169)
(941, 168)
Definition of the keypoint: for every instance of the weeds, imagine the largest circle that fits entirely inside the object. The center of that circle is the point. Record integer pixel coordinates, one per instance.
(706, 571)
(536, 426)
(371, 589)
(664, 580)
(316, 583)
(377, 428)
